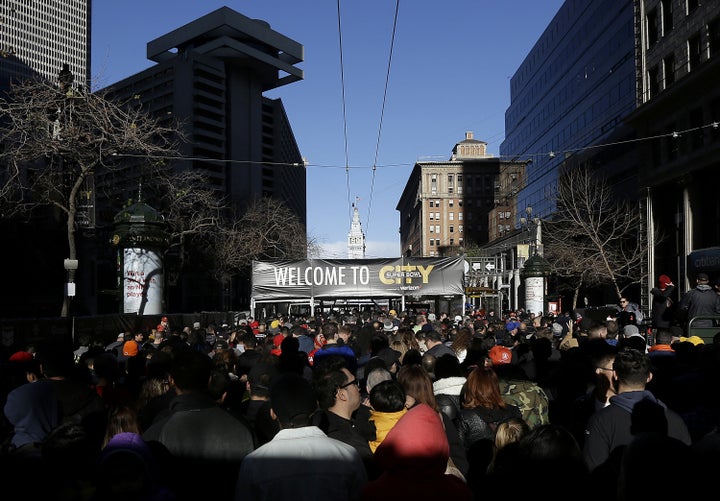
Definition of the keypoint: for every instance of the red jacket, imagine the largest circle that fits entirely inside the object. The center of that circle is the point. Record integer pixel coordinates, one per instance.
(413, 458)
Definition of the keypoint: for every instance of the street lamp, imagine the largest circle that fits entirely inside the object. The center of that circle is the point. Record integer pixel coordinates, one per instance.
(532, 224)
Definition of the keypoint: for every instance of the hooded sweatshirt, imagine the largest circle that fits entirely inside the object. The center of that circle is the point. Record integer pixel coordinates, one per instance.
(414, 457)
(610, 427)
(33, 410)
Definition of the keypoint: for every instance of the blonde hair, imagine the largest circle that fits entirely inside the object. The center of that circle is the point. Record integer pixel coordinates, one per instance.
(509, 431)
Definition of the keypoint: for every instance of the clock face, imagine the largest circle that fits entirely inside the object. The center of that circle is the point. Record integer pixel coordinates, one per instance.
(116, 239)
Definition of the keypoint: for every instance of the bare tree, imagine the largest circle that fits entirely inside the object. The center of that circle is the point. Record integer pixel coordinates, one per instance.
(193, 211)
(56, 137)
(593, 238)
(268, 229)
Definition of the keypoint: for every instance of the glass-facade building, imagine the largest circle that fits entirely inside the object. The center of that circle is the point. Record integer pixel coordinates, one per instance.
(572, 91)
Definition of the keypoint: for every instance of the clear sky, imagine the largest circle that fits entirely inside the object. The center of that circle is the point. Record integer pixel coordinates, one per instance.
(449, 73)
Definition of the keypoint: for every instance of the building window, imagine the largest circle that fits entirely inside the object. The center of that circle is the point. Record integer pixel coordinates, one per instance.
(667, 16)
(653, 82)
(669, 70)
(433, 184)
(452, 229)
(432, 216)
(714, 37)
(460, 228)
(651, 22)
(432, 203)
(460, 216)
(459, 203)
(451, 216)
(451, 202)
(694, 51)
(437, 216)
(437, 228)
(432, 229)
(432, 242)
(501, 215)
(452, 242)
(470, 216)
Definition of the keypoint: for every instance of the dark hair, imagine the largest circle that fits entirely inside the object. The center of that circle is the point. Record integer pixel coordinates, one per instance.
(190, 370)
(417, 384)
(326, 381)
(632, 367)
(387, 396)
(293, 400)
(447, 366)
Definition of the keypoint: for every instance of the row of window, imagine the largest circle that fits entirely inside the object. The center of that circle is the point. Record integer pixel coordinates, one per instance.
(436, 228)
(435, 216)
(435, 242)
(696, 50)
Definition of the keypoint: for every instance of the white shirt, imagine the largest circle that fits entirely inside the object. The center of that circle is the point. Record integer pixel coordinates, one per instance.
(301, 464)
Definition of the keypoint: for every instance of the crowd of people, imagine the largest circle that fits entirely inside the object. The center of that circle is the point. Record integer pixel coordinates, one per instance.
(366, 404)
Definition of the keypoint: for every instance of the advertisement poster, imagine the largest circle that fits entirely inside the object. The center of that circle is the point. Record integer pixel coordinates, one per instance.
(143, 282)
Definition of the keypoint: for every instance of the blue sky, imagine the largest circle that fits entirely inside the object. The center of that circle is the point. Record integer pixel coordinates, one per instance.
(449, 73)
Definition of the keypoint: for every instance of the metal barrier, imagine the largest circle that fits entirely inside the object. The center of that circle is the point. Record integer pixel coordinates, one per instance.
(706, 333)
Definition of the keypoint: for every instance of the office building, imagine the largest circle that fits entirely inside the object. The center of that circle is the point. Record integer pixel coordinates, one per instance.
(210, 75)
(38, 38)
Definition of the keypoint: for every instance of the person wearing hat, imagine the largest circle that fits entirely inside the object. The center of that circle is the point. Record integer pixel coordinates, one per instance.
(700, 301)
(661, 309)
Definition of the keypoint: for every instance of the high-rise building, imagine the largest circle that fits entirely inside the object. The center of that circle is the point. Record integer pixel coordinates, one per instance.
(210, 76)
(37, 39)
(572, 91)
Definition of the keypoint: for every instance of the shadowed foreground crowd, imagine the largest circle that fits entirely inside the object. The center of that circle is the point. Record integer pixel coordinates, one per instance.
(371, 406)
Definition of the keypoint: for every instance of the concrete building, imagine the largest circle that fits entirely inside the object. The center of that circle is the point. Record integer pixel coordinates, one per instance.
(449, 205)
(211, 75)
(38, 38)
(678, 70)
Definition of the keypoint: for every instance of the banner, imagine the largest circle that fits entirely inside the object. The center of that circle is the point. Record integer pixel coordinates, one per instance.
(346, 278)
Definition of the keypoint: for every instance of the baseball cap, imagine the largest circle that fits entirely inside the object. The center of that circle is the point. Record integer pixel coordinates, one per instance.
(500, 355)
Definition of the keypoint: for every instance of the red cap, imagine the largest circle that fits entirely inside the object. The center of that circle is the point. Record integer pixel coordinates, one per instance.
(500, 355)
(21, 356)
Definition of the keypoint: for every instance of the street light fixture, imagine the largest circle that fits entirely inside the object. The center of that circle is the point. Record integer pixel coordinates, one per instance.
(533, 225)
(535, 269)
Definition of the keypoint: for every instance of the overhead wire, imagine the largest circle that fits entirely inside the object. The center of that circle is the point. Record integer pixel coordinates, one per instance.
(344, 110)
(382, 116)
(508, 157)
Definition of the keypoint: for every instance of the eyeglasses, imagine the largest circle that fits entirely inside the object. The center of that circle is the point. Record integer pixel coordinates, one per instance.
(351, 382)
(623, 302)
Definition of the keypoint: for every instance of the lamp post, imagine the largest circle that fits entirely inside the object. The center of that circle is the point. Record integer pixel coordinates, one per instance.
(71, 266)
(535, 268)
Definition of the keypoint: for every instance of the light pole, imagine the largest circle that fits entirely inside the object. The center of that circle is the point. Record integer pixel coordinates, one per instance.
(71, 266)
(535, 268)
